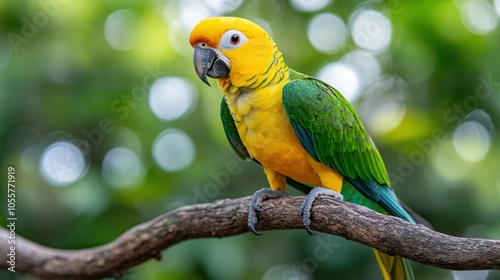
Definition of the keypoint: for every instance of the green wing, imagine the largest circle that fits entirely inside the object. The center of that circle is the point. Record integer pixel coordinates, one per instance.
(331, 132)
(339, 138)
(232, 132)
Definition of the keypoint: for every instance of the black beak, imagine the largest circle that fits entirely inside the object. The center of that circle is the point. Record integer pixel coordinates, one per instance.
(206, 63)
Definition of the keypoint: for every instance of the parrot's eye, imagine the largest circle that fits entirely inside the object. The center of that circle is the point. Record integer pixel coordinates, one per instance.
(235, 39)
(232, 39)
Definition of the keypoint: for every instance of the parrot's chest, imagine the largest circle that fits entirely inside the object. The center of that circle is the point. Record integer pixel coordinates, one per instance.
(269, 137)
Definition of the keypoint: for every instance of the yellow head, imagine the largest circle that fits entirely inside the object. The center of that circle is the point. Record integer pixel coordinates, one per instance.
(233, 50)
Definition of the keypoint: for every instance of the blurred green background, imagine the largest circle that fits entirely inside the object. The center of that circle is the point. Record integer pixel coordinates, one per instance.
(108, 126)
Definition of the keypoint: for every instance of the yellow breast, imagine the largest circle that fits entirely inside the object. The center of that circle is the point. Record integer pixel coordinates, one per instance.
(267, 134)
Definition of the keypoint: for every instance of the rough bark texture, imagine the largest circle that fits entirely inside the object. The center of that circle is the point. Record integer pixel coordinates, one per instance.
(229, 217)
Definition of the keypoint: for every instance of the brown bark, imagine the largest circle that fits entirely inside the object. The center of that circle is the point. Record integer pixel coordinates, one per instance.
(229, 217)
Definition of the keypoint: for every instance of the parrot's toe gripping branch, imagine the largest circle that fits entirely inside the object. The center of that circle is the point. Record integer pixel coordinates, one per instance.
(305, 209)
(256, 205)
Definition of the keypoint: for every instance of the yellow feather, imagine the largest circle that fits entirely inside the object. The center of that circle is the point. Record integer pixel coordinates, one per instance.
(392, 267)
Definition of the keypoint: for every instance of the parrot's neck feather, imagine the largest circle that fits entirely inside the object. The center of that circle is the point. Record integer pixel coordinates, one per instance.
(274, 74)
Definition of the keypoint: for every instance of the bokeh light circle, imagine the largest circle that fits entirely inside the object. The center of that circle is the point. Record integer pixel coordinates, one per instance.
(122, 168)
(478, 16)
(309, 5)
(62, 163)
(370, 30)
(172, 97)
(382, 113)
(221, 7)
(471, 141)
(366, 64)
(123, 30)
(173, 150)
(327, 33)
(343, 77)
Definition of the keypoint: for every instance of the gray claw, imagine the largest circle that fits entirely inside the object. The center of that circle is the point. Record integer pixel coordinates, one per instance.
(305, 209)
(256, 206)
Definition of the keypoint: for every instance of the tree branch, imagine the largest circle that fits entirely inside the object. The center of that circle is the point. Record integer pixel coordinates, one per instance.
(229, 217)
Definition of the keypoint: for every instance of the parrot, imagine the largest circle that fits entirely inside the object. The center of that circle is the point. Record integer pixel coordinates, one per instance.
(301, 130)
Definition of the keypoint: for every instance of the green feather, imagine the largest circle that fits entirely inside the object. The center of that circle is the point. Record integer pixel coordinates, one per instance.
(331, 132)
(339, 138)
(232, 132)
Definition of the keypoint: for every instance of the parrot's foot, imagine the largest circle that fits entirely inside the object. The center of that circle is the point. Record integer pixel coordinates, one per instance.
(256, 205)
(305, 209)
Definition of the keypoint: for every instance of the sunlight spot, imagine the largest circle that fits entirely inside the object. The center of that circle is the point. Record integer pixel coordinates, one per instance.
(448, 165)
(172, 97)
(287, 272)
(310, 5)
(173, 150)
(371, 30)
(481, 116)
(478, 16)
(123, 30)
(221, 7)
(383, 113)
(62, 163)
(187, 13)
(177, 36)
(343, 77)
(122, 168)
(327, 33)
(366, 64)
(471, 141)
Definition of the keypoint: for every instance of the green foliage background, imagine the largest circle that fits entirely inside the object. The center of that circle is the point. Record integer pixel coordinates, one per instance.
(36, 110)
